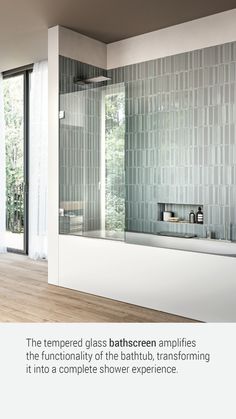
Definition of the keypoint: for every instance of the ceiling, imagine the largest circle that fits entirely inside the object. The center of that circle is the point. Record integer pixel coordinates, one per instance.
(24, 22)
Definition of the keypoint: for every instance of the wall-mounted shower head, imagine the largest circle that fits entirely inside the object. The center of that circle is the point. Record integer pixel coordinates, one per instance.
(96, 79)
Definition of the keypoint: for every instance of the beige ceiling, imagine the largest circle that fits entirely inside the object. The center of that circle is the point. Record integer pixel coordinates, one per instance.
(24, 23)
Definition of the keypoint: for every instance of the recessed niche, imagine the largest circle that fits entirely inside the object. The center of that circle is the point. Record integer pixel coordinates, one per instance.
(179, 213)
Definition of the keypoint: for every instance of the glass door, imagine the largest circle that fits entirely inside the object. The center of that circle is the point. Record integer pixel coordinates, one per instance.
(16, 133)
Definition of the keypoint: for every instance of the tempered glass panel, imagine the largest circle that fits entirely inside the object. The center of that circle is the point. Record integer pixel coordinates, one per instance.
(92, 137)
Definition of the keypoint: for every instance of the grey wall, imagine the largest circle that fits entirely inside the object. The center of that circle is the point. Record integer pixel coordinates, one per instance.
(180, 138)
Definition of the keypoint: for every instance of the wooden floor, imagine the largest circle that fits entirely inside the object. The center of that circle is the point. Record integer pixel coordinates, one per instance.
(25, 296)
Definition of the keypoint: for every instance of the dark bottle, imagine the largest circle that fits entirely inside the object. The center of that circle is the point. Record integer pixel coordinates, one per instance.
(191, 217)
(199, 216)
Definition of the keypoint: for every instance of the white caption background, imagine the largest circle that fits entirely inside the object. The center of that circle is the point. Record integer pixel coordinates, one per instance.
(199, 390)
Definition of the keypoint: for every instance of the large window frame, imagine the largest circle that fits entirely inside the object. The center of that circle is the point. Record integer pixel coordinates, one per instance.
(25, 72)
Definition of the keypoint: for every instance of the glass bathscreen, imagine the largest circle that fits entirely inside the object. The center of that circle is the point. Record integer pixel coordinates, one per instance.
(92, 158)
(115, 177)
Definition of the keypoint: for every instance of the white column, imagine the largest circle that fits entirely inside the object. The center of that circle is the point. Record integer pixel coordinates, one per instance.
(53, 144)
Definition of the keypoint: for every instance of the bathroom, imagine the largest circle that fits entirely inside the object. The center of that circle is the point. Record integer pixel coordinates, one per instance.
(155, 135)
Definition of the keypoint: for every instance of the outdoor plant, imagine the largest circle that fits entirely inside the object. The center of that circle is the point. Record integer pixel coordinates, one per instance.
(13, 109)
(115, 182)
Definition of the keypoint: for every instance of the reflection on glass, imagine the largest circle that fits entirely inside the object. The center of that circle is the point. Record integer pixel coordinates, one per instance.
(92, 130)
(113, 170)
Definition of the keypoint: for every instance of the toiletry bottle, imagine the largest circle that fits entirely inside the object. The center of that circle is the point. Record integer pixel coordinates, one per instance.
(199, 216)
(191, 217)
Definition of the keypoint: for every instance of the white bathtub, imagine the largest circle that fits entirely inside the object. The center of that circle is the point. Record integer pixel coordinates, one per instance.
(215, 247)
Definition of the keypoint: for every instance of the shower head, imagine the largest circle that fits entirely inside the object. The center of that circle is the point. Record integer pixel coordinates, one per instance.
(97, 79)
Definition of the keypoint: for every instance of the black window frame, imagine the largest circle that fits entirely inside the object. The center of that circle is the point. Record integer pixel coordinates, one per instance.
(25, 71)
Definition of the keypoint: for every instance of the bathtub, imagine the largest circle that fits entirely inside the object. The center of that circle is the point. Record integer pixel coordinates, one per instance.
(215, 247)
(200, 245)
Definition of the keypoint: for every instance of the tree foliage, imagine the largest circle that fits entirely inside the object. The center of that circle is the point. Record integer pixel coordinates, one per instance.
(14, 131)
(115, 188)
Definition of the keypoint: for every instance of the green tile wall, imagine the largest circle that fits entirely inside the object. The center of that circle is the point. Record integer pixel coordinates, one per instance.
(180, 137)
(180, 145)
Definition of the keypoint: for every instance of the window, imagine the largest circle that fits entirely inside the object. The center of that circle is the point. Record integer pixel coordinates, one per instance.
(16, 110)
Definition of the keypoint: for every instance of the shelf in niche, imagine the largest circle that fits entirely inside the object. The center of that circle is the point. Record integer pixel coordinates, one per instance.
(180, 223)
(179, 210)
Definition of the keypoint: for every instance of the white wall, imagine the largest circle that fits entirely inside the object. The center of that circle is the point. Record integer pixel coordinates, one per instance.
(62, 41)
(24, 49)
(193, 285)
(53, 164)
(82, 48)
(200, 33)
